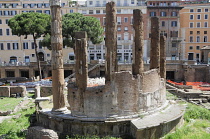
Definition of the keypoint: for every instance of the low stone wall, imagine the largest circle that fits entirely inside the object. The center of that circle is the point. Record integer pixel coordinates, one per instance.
(4, 91)
(7, 91)
(45, 91)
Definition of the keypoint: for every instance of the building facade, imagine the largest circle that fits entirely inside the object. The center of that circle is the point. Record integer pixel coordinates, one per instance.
(195, 29)
(169, 22)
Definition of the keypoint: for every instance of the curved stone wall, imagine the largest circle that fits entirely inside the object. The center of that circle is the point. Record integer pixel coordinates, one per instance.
(126, 96)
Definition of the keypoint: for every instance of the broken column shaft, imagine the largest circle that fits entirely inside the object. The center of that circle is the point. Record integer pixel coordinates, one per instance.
(138, 64)
(163, 57)
(81, 67)
(155, 44)
(57, 56)
(111, 41)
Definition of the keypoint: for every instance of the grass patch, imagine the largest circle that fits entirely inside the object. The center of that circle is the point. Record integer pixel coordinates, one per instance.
(197, 119)
(7, 104)
(14, 128)
(91, 137)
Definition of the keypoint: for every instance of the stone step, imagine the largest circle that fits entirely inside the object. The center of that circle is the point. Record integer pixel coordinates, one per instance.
(158, 123)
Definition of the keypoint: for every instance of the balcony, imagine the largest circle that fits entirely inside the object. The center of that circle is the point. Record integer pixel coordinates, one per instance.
(176, 39)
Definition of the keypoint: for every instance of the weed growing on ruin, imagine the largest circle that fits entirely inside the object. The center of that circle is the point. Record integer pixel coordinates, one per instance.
(197, 121)
(196, 112)
(7, 104)
(14, 128)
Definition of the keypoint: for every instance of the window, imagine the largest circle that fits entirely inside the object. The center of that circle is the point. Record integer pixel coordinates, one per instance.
(173, 23)
(104, 11)
(191, 17)
(126, 28)
(163, 14)
(46, 5)
(84, 12)
(191, 38)
(132, 1)
(205, 24)
(205, 39)
(119, 37)
(119, 20)
(173, 44)
(8, 46)
(198, 10)
(125, 19)
(0, 21)
(152, 13)
(48, 55)
(90, 11)
(118, 28)
(1, 33)
(198, 39)
(163, 23)
(205, 16)
(126, 35)
(173, 57)
(97, 11)
(40, 46)
(197, 47)
(118, 11)
(190, 56)
(25, 45)
(47, 11)
(90, 2)
(104, 20)
(198, 16)
(39, 11)
(27, 59)
(173, 13)
(205, 32)
(15, 46)
(32, 5)
(32, 45)
(131, 20)
(7, 32)
(39, 5)
(1, 46)
(191, 25)
(198, 24)
(25, 5)
(206, 10)
(198, 32)
(190, 47)
(6, 21)
(191, 32)
(119, 46)
(32, 55)
(191, 10)
(71, 11)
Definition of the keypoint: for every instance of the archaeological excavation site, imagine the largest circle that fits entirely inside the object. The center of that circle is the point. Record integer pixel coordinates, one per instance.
(126, 104)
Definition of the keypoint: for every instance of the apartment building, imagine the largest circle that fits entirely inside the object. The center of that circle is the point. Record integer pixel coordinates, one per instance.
(125, 31)
(169, 21)
(195, 28)
(18, 50)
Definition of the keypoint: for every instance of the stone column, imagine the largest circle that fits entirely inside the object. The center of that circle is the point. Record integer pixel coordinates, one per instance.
(138, 63)
(57, 56)
(111, 41)
(163, 57)
(155, 44)
(81, 66)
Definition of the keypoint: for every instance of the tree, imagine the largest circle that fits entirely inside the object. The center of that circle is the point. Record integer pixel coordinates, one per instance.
(35, 24)
(74, 22)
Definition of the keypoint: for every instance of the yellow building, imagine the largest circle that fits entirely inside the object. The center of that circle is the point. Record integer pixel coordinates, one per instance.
(17, 50)
(195, 28)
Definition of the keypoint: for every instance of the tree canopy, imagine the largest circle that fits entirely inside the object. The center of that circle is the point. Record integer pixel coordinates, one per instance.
(74, 22)
(31, 23)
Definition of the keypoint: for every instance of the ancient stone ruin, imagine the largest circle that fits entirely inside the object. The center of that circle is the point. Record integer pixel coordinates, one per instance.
(128, 103)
